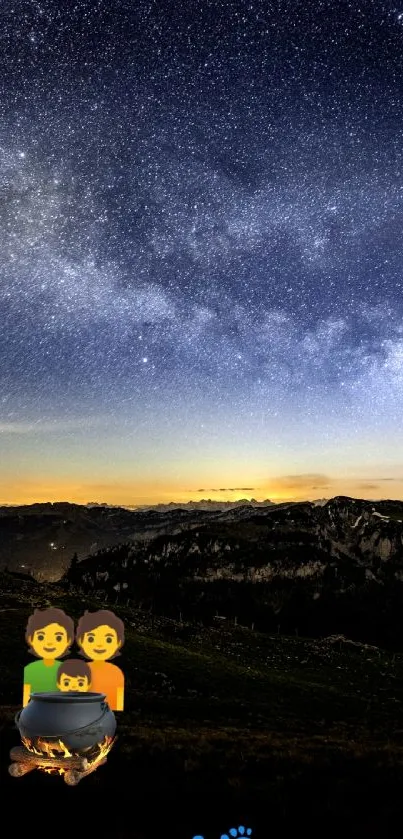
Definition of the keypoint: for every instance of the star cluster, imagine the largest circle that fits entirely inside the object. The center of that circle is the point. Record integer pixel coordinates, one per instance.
(201, 217)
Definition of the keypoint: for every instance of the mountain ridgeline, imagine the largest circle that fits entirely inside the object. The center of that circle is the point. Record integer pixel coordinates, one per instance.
(40, 539)
(307, 568)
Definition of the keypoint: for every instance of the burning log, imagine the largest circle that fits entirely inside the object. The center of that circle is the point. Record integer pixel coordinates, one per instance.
(55, 757)
(19, 754)
(17, 770)
(73, 776)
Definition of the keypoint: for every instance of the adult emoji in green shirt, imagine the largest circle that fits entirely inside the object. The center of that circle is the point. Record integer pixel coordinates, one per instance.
(49, 634)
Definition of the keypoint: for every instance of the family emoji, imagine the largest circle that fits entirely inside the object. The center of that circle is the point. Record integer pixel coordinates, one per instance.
(99, 637)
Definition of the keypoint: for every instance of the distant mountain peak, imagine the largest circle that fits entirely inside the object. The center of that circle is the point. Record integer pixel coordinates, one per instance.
(204, 503)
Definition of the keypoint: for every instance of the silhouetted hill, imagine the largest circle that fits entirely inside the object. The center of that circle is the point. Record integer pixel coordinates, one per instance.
(223, 726)
(42, 538)
(304, 567)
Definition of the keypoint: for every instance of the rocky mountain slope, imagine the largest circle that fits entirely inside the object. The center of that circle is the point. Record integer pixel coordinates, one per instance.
(302, 567)
(42, 538)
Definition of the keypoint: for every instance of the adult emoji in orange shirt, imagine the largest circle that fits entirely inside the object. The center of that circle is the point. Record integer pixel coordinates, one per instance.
(100, 635)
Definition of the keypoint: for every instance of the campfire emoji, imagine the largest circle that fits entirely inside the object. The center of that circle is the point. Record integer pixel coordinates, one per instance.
(70, 734)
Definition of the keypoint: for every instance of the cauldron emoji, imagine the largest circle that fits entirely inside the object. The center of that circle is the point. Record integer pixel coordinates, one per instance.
(80, 720)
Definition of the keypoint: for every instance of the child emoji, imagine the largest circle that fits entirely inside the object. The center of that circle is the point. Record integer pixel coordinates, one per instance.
(74, 674)
(100, 636)
(49, 634)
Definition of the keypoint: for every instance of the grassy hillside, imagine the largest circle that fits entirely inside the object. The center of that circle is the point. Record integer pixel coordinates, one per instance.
(226, 726)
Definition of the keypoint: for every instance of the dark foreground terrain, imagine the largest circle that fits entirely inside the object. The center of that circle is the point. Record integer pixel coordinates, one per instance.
(222, 727)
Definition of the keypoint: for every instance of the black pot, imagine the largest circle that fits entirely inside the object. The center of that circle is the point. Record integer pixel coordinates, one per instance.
(80, 720)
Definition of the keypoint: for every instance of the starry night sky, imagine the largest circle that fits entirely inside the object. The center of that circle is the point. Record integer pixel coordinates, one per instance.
(201, 219)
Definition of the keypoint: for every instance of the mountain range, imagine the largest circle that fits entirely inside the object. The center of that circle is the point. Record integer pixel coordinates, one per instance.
(301, 567)
(203, 504)
(41, 539)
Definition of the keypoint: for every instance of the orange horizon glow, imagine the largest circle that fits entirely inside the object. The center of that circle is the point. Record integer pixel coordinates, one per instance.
(132, 494)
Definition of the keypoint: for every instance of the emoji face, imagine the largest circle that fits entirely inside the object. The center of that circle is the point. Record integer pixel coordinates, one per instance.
(50, 642)
(67, 683)
(101, 643)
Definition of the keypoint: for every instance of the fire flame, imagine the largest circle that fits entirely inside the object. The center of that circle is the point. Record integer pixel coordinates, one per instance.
(104, 749)
(59, 751)
(43, 748)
